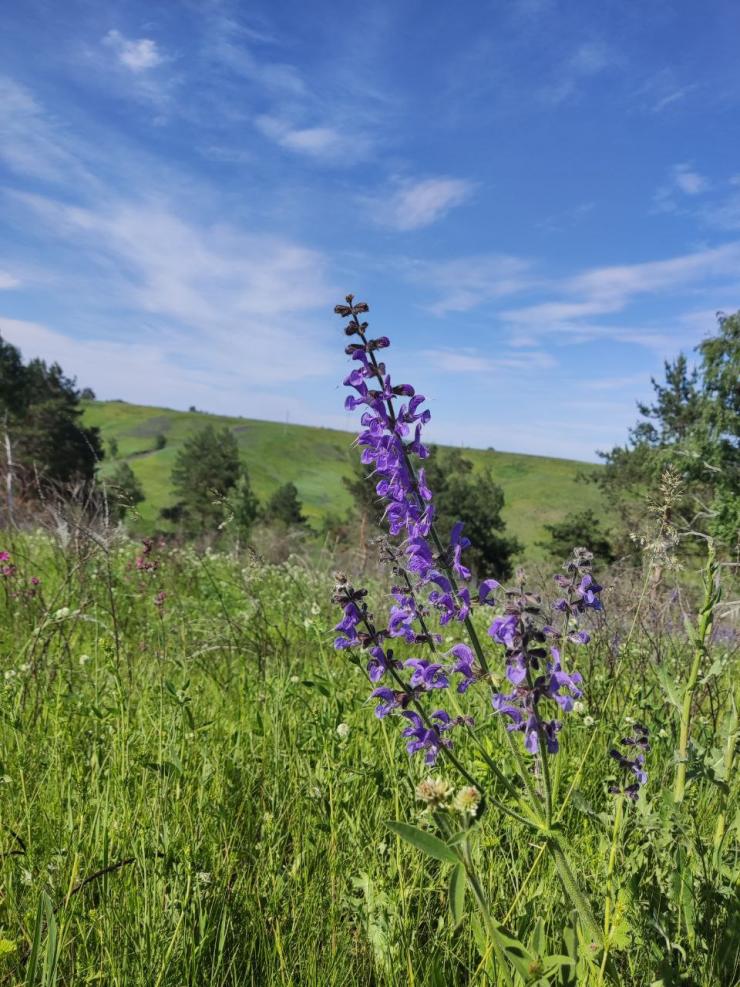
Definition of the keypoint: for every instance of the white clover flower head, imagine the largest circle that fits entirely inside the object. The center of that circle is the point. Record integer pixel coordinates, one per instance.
(294, 680)
(436, 792)
(467, 801)
(203, 878)
(588, 721)
(62, 613)
(343, 731)
(578, 707)
(84, 659)
(10, 673)
(662, 732)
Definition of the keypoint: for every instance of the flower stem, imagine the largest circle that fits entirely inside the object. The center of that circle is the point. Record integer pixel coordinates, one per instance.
(492, 928)
(616, 830)
(572, 888)
(703, 628)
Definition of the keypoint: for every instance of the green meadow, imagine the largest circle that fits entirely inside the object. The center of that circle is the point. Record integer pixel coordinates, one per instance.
(194, 791)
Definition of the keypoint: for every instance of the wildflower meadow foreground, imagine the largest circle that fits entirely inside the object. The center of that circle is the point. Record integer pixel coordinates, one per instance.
(220, 769)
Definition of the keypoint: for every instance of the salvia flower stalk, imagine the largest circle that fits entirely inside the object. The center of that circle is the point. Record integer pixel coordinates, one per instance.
(434, 589)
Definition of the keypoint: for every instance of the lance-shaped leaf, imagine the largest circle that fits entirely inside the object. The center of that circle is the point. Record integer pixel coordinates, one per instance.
(426, 842)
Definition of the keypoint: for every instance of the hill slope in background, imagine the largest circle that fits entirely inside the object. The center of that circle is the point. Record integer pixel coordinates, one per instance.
(538, 490)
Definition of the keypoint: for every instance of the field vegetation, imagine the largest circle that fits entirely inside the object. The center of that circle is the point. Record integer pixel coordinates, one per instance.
(253, 749)
(193, 790)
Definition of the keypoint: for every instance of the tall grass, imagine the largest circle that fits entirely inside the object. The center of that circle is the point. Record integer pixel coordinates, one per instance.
(178, 807)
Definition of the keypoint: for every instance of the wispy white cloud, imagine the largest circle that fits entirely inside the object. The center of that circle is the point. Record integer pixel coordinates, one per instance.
(136, 54)
(606, 291)
(8, 281)
(251, 54)
(414, 204)
(465, 283)
(662, 90)
(588, 60)
(472, 361)
(224, 297)
(689, 181)
(322, 142)
(32, 142)
(684, 181)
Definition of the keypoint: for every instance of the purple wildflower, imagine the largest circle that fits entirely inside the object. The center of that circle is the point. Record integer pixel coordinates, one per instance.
(632, 765)
(426, 675)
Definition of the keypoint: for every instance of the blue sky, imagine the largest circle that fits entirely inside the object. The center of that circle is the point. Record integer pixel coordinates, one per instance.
(540, 200)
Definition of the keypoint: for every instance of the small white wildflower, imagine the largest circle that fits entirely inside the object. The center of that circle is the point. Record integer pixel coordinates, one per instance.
(84, 659)
(26, 876)
(467, 801)
(5, 779)
(62, 613)
(343, 731)
(588, 721)
(629, 720)
(25, 667)
(579, 707)
(662, 732)
(10, 673)
(315, 609)
(436, 792)
(203, 877)
(294, 680)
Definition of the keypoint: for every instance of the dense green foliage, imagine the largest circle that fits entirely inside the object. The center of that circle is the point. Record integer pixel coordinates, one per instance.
(693, 426)
(538, 490)
(123, 490)
(582, 528)
(284, 507)
(461, 494)
(179, 807)
(206, 470)
(40, 413)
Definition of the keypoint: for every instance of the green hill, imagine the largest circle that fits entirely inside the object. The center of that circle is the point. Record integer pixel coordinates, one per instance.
(538, 489)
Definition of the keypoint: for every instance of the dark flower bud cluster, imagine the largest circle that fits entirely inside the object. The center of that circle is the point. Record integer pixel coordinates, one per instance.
(582, 590)
(535, 672)
(632, 762)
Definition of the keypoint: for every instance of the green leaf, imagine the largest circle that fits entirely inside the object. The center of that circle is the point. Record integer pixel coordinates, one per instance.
(425, 842)
(458, 881)
(672, 691)
(552, 964)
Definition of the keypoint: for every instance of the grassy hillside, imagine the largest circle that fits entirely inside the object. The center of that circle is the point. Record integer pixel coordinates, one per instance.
(538, 489)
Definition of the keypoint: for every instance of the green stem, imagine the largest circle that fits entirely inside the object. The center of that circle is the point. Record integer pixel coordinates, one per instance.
(572, 888)
(703, 627)
(492, 928)
(728, 762)
(618, 817)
